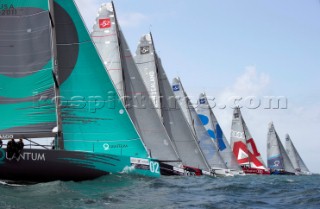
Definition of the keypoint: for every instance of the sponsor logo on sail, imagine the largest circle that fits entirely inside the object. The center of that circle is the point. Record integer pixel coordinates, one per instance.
(202, 101)
(105, 23)
(176, 87)
(144, 50)
(114, 146)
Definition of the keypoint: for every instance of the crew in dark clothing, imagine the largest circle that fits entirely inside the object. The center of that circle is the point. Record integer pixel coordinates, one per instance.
(19, 149)
(1, 143)
(11, 148)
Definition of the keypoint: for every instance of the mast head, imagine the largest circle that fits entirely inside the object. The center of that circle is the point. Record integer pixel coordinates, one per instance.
(202, 98)
(287, 137)
(271, 126)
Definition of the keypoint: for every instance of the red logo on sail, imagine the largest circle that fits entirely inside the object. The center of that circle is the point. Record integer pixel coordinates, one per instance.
(105, 23)
(240, 146)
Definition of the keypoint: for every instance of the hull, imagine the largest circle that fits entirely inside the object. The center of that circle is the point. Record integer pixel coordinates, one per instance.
(255, 171)
(282, 172)
(222, 172)
(169, 170)
(237, 173)
(38, 165)
(192, 171)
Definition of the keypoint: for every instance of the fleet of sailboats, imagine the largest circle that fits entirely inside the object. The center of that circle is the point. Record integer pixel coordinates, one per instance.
(106, 110)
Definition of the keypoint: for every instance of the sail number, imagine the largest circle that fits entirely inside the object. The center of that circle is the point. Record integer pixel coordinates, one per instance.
(154, 167)
(237, 134)
(7, 9)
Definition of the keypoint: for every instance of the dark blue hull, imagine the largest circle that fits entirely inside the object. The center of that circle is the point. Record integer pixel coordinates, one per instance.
(276, 172)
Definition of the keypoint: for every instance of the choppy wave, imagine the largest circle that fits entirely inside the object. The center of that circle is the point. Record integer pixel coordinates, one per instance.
(167, 192)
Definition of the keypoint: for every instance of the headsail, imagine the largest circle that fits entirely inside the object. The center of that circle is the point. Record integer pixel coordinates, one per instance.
(93, 116)
(138, 102)
(294, 156)
(277, 156)
(213, 128)
(176, 125)
(239, 143)
(27, 104)
(207, 146)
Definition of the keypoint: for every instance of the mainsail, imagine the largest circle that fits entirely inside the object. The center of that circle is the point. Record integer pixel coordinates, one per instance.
(294, 156)
(276, 154)
(213, 128)
(239, 142)
(27, 104)
(148, 69)
(207, 146)
(174, 121)
(138, 102)
(93, 116)
(105, 37)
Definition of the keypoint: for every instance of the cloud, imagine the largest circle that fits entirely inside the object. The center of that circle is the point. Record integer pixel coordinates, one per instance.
(250, 83)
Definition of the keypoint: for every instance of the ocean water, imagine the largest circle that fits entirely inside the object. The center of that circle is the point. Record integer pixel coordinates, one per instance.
(167, 192)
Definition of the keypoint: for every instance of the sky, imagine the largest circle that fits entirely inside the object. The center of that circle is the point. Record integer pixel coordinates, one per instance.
(238, 48)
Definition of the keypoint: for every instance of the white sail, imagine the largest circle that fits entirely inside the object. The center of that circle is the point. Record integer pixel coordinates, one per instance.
(294, 156)
(276, 154)
(213, 128)
(105, 37)
(137, 100)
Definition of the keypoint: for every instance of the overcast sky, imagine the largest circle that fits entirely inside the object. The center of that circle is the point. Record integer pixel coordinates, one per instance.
(242, 48)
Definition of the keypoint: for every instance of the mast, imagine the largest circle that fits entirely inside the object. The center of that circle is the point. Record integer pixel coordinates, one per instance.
(56, 76)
